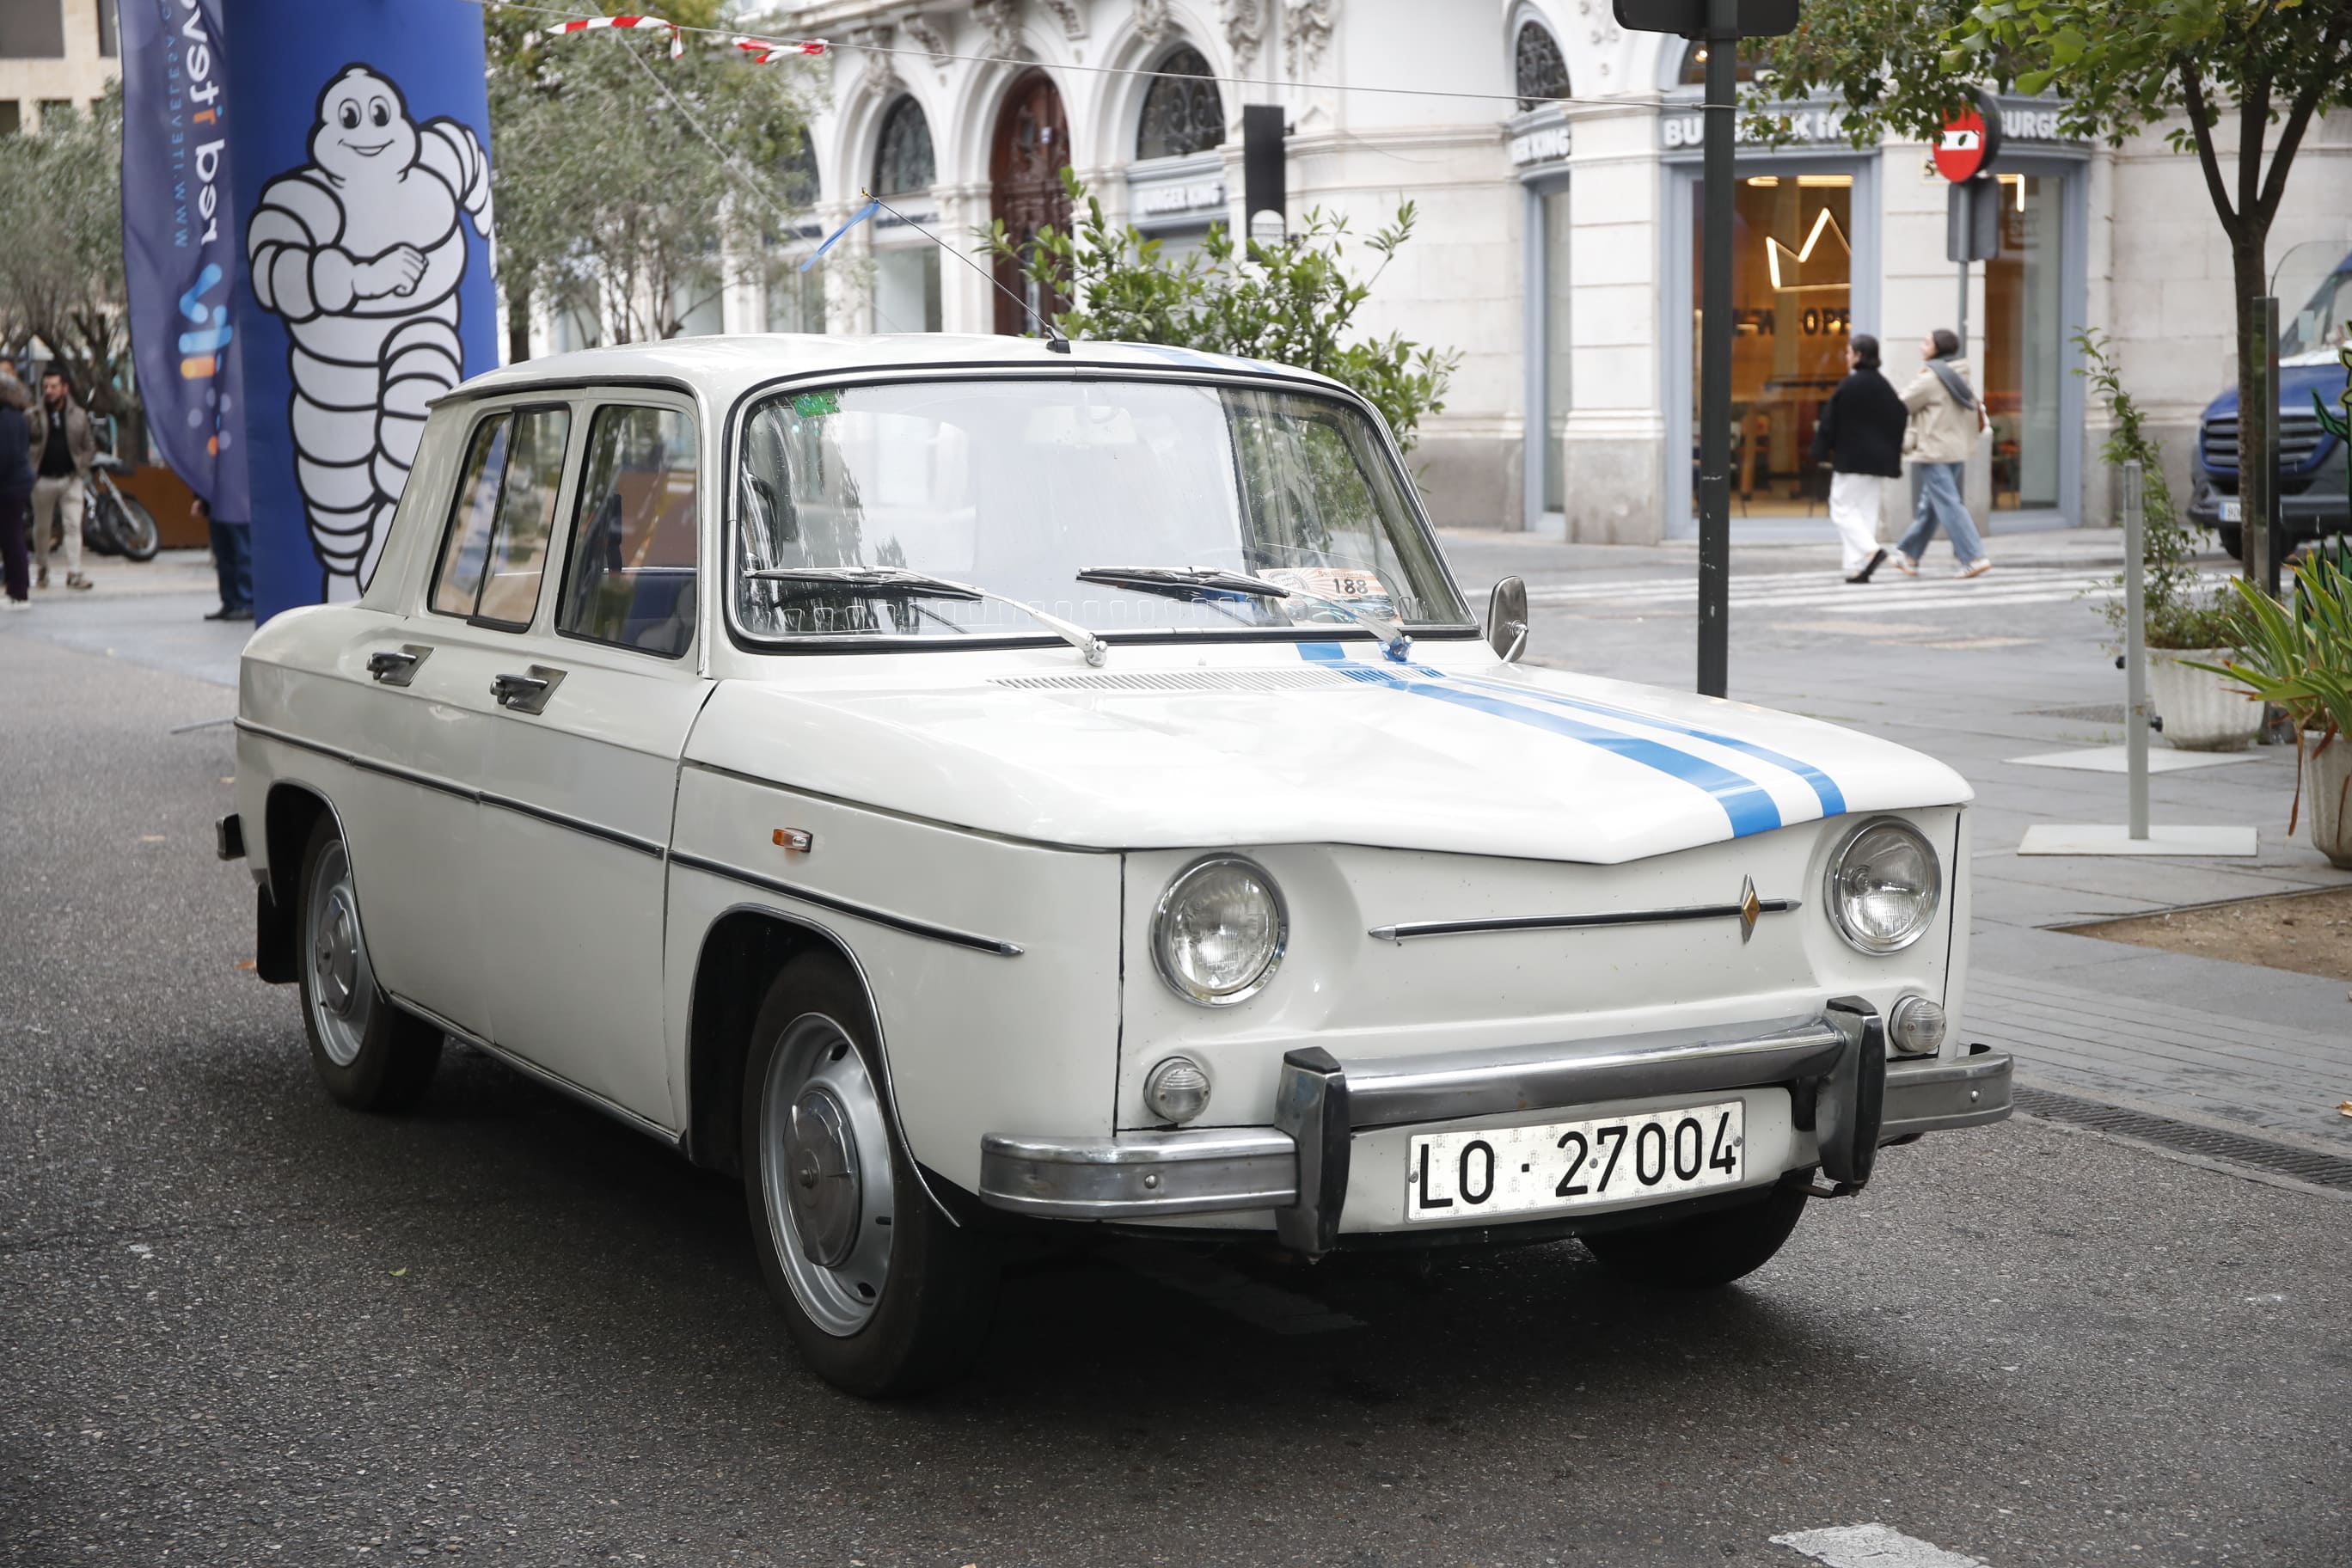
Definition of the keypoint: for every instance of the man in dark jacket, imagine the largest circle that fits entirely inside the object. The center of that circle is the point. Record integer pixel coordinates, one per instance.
(1860, 436)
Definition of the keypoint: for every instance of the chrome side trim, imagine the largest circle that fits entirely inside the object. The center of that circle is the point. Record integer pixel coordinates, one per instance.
(840, 906)
(1139, 1175)
(1409, 931)
(1937, 1095)
(1445, 1086)
(461, 791)
(556, 1081)
(576, 823)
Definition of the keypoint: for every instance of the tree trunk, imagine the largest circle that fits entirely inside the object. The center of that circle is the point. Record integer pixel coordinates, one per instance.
(518, 325)
(2257, 403)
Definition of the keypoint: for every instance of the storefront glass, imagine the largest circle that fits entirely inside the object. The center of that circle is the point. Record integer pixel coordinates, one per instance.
(1792, 298)
(1555, 348)
(2025, 353)
(907, 290)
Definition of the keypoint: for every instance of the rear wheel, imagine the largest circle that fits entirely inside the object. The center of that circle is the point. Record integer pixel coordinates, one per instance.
(1706, 1250)
(884, 1295)
(369, 1054)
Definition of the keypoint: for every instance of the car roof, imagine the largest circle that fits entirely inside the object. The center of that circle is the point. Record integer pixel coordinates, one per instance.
(724, 368)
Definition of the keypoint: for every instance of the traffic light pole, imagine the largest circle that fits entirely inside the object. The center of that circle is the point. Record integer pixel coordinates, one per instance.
(1715, 353)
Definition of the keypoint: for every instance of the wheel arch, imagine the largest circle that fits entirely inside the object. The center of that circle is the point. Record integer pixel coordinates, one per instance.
(291, 812)
(743, 950)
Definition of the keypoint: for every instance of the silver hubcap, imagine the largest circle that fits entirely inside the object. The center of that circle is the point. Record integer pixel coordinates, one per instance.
(825, 1158)
(342, 984)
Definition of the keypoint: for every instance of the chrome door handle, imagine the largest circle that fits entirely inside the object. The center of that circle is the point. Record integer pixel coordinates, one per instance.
(397, 666)
(526, 693)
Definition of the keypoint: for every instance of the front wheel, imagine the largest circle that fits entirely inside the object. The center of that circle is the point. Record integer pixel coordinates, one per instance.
(884, 1295)
(2233, 540)
(371, 1054)
(1706, 1250)
(133, 527)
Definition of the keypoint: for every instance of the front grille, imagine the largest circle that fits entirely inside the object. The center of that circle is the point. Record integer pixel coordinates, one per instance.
(2301, 439)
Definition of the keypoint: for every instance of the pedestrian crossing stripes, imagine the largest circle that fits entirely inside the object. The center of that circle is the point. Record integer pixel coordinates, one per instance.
(1809, 591)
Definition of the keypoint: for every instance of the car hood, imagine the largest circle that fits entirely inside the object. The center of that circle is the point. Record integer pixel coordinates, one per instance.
(2297, 381)
(1312, 743)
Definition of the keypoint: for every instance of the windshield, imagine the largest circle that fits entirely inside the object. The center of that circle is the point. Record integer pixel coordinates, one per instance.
(2321, 324)
(1015, 487)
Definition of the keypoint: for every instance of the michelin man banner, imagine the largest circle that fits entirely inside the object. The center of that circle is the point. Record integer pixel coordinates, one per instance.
(358, 184)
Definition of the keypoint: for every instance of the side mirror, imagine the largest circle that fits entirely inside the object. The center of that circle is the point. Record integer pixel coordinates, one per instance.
(1507, 619)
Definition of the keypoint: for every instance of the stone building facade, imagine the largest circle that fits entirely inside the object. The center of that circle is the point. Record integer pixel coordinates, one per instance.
(1556, 241)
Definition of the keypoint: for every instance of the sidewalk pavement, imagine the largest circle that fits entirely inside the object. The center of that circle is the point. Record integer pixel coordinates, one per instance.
(2195, 1039)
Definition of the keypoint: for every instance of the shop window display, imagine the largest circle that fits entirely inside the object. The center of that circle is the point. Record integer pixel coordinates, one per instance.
(1793, 296)
(2024, 348)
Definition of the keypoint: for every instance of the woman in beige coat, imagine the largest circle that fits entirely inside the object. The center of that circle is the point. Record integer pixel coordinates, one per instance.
(1946, 417)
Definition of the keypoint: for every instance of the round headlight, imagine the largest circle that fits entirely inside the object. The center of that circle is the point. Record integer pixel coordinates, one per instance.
(1219, 931)
(1883, 886)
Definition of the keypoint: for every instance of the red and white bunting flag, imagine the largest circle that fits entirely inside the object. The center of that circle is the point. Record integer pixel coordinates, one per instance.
(592, 24)
(764, 50)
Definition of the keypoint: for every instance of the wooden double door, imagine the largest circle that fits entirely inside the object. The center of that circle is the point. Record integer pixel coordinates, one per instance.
(1026, 159)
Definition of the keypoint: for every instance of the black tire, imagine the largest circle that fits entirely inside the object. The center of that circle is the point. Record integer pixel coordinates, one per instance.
(134, 529)
(2233, 540)
(1706, 1250)
(96, 528)
(925, 1321)
(371, 1054)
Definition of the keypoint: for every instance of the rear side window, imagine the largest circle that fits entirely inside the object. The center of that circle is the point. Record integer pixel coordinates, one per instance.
(635, 534)
(496, 550)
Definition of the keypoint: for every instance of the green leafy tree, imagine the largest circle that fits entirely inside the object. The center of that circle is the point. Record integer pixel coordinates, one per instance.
(610, 201)
(1292, 303)
(2264, 70)
(61, 268)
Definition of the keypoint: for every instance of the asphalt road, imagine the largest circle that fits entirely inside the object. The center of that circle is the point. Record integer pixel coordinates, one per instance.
(239, 1325)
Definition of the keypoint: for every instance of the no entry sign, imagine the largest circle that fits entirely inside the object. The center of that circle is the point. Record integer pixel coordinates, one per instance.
(1970, 143)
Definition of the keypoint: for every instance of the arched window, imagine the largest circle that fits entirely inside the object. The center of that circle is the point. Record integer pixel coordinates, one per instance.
(1182, 113)
(1542, 73)
(904, 163)
(797, 177)
(1695, 65)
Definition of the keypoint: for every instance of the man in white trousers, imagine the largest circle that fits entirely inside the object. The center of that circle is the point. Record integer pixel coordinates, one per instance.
(1860, 436)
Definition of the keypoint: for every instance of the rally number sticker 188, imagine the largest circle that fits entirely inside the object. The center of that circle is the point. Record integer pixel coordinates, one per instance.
(1575, 1164)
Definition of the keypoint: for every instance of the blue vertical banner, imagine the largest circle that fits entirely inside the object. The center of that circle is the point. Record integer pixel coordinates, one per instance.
(328, 228)
(182, 249)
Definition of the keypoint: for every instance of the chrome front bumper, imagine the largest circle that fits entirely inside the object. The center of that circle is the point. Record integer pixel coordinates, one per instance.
(1843, 1090)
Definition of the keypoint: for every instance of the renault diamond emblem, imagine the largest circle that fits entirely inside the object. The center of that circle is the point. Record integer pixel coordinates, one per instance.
(1750, 905)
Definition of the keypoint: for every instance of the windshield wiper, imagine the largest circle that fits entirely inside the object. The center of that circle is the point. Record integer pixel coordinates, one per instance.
(898, 583)
(1204, 585)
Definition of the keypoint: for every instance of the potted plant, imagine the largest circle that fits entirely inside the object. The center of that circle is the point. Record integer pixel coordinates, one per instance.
(2186, 622)
(2299, 655)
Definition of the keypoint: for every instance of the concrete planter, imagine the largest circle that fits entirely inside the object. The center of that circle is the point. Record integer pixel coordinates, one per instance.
(2201, 712)
(2327, 797)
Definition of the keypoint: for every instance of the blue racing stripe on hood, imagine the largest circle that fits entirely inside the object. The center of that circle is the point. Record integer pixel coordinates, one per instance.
(1744, 801)
(1825, 788)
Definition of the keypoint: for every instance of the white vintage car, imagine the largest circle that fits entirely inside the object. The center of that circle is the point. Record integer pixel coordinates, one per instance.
(964, 785)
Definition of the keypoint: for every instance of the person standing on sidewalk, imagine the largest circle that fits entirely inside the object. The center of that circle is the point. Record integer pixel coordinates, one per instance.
(63, 450)
(232, 563)
(1946, 417)
(1860, 436)
(16, 488)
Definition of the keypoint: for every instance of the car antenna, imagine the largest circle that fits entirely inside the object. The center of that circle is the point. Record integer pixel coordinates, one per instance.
(1056, 341)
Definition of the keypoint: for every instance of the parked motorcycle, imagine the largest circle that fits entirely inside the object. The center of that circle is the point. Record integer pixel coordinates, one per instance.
(113, 523)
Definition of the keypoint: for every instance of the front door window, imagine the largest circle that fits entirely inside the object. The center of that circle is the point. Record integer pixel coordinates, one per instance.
(1792, 312)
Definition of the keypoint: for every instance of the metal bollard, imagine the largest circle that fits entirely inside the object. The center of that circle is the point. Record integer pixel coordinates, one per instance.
(2136, 646)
